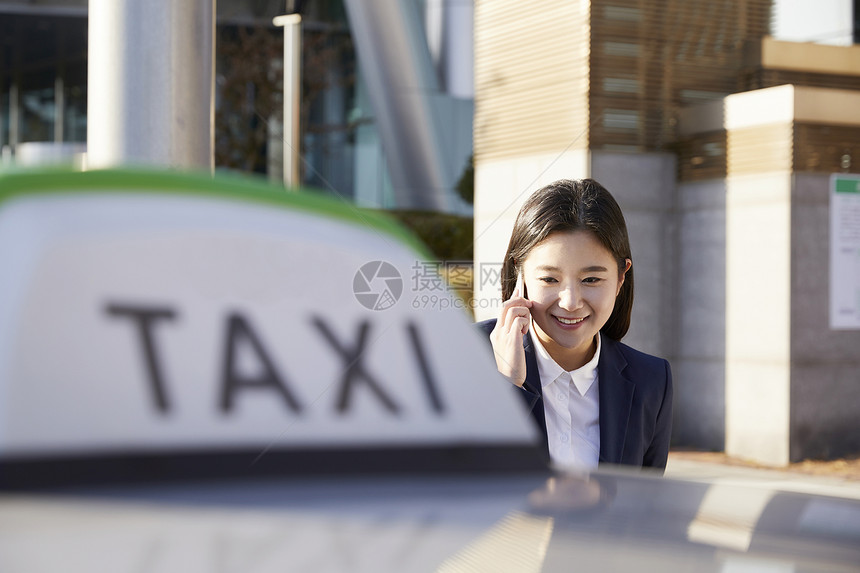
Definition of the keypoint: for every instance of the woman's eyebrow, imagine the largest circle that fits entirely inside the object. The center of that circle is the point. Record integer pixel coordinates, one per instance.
(591, 269)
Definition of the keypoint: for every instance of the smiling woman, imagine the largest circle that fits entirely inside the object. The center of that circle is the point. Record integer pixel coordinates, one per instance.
(567, 282)
(573, 282)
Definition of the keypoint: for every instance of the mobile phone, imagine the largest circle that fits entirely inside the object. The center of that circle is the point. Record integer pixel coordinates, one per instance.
(520, 286)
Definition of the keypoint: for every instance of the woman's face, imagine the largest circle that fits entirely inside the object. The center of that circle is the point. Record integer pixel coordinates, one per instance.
(573, 281)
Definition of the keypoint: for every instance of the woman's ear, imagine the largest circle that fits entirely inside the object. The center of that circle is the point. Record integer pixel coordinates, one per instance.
(623, 274)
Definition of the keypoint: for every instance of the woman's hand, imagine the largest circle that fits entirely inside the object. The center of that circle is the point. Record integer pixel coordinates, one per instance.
(507, 336)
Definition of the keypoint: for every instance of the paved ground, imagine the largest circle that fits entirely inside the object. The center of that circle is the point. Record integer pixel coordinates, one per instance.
(839, 477)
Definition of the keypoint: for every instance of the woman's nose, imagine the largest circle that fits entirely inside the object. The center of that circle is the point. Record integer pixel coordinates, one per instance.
(570, 297)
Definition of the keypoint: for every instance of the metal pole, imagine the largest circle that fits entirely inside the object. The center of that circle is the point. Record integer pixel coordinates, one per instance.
(292, 24)
(14, 114)
(59, 107)
(150, 83)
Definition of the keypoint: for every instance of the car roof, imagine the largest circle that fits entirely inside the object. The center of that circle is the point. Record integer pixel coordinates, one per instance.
(613, 519)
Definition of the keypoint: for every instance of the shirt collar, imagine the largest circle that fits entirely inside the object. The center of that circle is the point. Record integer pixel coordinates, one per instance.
(583, 377)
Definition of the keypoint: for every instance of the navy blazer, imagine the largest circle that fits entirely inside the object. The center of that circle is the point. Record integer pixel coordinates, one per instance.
(635, 393)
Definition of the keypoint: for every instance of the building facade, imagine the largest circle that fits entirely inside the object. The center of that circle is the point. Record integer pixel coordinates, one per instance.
(671, 105)
(44, 89)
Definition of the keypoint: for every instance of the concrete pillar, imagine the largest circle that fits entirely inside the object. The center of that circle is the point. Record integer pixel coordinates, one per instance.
(792, 389)
(758, 317)
(758, 273)
(150, 84)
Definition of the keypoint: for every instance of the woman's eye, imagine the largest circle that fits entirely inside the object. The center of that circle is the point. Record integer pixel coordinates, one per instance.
(591, 280)
(547, 280)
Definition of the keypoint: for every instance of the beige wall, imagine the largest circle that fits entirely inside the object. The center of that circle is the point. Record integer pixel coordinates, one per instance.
(531, 79)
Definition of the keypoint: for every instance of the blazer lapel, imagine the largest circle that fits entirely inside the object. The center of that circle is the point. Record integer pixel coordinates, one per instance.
(616, 400)
(533, 385)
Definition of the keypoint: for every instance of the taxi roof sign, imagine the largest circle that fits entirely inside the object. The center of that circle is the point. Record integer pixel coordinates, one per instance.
(148, 314)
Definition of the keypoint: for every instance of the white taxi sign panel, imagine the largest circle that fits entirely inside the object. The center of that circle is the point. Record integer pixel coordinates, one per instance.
(146, 311)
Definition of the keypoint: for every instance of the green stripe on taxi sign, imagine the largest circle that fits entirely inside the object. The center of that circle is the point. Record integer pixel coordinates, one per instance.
(228, 186)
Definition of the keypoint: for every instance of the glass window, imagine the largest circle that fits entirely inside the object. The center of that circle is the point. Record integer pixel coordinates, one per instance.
(621, 85)
(623, 49)
(622, 13)
(621, 119)
(37, 114)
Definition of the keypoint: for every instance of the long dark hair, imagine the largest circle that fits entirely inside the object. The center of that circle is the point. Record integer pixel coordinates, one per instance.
(573, 205)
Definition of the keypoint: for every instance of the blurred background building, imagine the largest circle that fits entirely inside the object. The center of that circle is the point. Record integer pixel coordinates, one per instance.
(718, 133)
(43, 92)
(716, 124)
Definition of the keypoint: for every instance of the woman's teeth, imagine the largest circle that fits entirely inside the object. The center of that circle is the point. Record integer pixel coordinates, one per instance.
(569, 320)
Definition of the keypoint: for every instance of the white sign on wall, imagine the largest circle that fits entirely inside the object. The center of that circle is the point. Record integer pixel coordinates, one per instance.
(845, 252)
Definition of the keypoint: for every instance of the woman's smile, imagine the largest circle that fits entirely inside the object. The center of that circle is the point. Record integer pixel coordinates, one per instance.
(570, 322)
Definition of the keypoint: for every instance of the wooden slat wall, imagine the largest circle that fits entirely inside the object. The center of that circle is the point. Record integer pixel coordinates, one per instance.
(678, 52)
(821, 148)
(760, 149)
(769, 78)
(531, 77)
(611, 74)
(801, 147)
(702, 157)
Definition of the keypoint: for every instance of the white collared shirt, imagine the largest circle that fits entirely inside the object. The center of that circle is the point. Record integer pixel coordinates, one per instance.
(572, 409)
